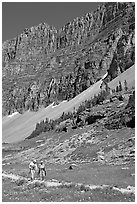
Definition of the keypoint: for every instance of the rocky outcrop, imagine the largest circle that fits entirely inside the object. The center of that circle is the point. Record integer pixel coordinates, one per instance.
(124, 117)
(62, 63)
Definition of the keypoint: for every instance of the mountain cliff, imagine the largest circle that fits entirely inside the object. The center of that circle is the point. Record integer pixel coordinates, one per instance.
(42, 64)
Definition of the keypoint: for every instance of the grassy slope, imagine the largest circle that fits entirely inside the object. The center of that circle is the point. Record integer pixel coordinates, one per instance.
(90, 172)
(19, 127)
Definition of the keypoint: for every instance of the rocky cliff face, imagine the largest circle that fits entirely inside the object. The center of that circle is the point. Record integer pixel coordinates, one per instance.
(44, 64)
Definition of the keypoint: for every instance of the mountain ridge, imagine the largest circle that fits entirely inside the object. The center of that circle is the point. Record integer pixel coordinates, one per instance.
(40, 56)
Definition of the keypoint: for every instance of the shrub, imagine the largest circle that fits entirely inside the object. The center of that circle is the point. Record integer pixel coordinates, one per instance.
(120, 98)
(20, 182)
(81, 108)
(131, 101)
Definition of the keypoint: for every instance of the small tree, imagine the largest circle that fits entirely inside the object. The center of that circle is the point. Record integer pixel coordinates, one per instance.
(120, 86)
(117, 89)
(94, 99)
(107, 89)
(125, 85)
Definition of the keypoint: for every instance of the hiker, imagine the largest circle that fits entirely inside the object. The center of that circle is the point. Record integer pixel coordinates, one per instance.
(33, 168)
(42, 170)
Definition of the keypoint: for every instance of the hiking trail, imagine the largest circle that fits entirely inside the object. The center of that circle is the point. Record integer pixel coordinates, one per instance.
(56, 183)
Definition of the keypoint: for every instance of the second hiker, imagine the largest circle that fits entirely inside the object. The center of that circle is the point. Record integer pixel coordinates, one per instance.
(42, 170)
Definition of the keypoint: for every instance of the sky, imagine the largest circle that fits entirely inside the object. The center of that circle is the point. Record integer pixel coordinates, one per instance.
(16, 16)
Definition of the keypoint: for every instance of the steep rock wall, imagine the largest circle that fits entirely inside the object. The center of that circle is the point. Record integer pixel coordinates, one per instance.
(65, 62)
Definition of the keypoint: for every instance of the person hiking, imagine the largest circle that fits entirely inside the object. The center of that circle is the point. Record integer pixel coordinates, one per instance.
(33, 168)
(42, 170)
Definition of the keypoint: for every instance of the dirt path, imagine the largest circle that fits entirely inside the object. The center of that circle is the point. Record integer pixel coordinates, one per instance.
(56, 183)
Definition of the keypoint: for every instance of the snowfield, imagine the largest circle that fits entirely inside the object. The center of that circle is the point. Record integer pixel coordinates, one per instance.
(17, 127)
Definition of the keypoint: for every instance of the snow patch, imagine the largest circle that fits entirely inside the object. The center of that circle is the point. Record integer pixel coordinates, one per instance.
(39, 141)
(6, 164)
(41, 145)
(50, 105)
(105, 76)
(13, 114)
(53, 106)
(129, 189)
(92, 187)
(125, 168)
(52, 184)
